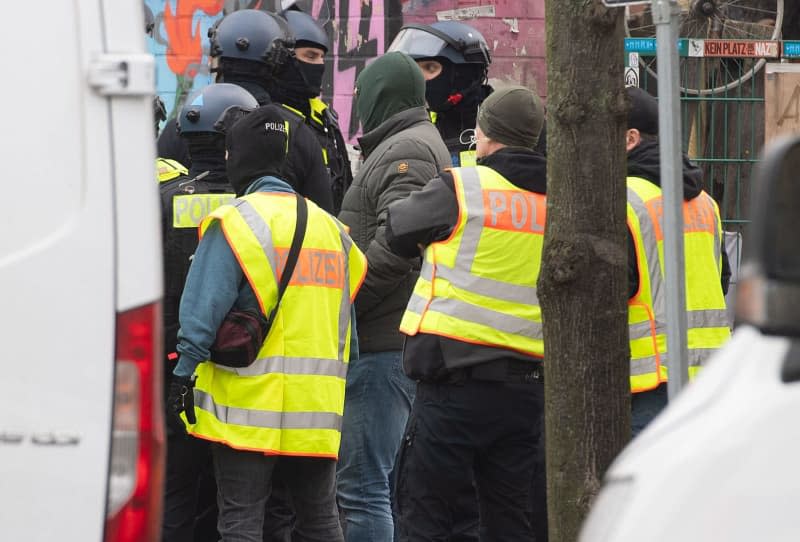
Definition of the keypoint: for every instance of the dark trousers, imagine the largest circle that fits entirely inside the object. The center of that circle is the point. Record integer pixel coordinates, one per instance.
(244, 483)
(279, 513)
(190, 506)
(477, 430)
(645, 406)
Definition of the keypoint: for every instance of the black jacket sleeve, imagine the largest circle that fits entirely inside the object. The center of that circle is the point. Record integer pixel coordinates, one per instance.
(305, 169)
(423, 217)
(726, 268)
(171, 145)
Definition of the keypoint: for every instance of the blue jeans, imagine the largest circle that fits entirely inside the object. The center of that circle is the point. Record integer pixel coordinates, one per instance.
(244, 481)
(377, 404)
(645, 406)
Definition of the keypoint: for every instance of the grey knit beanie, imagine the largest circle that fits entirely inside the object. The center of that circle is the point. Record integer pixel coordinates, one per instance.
(513, 116)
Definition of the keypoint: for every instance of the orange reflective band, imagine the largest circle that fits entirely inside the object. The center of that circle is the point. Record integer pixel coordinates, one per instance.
(513, 210)
(698, 216)
(315, 267)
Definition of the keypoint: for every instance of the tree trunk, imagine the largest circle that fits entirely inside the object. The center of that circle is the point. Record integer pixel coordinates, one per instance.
(583, 281)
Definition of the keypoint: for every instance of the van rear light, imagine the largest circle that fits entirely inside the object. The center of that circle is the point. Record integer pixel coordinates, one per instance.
(133, 504)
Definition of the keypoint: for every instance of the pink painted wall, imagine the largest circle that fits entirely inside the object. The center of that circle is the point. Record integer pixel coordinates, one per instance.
(361, 30)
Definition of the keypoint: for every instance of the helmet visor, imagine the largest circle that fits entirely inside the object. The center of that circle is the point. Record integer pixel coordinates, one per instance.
(417, 43)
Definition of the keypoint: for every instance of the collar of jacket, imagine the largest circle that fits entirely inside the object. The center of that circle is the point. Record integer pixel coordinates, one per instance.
(269, 184)
(318, 114)
(396, 123)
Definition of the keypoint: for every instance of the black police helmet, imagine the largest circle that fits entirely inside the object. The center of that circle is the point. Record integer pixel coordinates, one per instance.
(307, 32)
(455, 41)
(251, 34)
(210, 109)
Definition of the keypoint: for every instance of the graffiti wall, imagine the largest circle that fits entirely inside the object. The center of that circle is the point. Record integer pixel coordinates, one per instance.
(360, 30)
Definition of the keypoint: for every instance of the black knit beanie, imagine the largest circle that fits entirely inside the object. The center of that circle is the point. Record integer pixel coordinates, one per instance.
(257, 146)
(643, 112)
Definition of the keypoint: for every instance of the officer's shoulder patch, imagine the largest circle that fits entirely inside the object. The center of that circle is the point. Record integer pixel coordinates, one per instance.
(402, 167)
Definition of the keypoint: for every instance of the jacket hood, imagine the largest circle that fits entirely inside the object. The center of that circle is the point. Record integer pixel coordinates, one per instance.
(391, 84)
(522, 167)
(392, 125)
(643, 161)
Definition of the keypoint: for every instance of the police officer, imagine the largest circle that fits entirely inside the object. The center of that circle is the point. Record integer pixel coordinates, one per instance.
(186, 200)
(455, 60)
(707, 267)
(166, 168)
(297, 86)
(247, 47)
(283, 412)
(474, 329)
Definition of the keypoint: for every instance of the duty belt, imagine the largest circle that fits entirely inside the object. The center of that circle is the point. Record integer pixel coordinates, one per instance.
(528, 372)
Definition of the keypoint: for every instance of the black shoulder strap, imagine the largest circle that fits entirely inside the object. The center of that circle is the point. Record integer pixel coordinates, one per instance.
(294, 252)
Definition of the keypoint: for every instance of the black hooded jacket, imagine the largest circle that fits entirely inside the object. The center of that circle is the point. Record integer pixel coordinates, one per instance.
(430, 215)
(644, 162)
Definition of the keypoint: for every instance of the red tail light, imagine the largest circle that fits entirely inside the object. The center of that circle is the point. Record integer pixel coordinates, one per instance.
(133, 504)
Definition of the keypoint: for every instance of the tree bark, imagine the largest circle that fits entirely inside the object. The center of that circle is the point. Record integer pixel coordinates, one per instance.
(583, 281)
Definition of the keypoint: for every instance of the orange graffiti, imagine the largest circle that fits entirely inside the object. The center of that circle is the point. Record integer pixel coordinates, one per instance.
(185, 44)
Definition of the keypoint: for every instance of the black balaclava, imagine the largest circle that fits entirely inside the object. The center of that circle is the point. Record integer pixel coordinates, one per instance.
(297, 83)
(257, 146)
(455, 95)
(459, 86)
(207, 151)
(251, 76)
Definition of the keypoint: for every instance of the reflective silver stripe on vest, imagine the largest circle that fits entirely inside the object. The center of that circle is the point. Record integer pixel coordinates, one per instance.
(261, 230)
(291, 366)
(461, 274)
(483, 316)
(707, 318)
(496, 289)
(697, 358)
(344, 308)
(267, 419)
(650, 247)
(416, 304)
(640, 330)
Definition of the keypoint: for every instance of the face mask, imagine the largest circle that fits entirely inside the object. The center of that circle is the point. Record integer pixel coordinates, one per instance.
(437, 93)
(313, 74)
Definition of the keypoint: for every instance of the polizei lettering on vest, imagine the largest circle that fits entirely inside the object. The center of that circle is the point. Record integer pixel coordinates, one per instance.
(513, 210)
(189, 210)
(315, 267)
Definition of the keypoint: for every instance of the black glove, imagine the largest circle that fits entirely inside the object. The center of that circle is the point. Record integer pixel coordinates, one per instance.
(181, 399)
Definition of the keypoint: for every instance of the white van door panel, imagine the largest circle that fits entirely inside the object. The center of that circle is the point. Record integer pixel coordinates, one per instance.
(138, 235)
(71, 257)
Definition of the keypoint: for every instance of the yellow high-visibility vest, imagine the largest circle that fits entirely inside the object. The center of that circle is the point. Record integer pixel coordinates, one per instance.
(290, 400)
(479, 285)
(168, 169)
(708, 328)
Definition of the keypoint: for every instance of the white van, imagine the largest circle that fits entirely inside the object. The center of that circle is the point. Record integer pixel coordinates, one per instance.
(721, 462)
(81, 423)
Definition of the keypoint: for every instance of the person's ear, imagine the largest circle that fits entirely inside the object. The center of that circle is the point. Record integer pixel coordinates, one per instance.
(632, 139)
